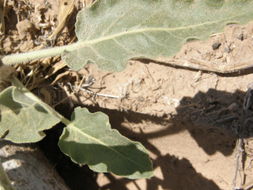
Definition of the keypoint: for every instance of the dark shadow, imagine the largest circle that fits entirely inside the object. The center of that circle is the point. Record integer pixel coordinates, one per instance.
(238, 72)
(75, 176)
(125, 160)
(11, 16)
(8, 102)
(213, 119)
(178, 175)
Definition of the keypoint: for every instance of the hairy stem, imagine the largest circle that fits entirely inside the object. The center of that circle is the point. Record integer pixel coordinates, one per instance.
(38, 54)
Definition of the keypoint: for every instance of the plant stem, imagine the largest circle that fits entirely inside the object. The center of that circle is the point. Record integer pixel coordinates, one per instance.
(38, 54)
(4, 181)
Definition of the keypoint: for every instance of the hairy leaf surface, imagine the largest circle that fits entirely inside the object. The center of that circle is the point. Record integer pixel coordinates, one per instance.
(113, 31)
(89, 139)
(23, 116)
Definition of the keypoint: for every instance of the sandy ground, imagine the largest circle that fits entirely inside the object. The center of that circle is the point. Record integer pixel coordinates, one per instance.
(187, 118)
(191, 138)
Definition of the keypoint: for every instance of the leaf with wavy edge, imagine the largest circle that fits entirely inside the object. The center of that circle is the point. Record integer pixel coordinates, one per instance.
(24, 116)
(113, 31)
(89, 139)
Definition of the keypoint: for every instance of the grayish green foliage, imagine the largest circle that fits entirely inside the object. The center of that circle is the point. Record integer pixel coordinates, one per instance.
(89, 139)
(110, 33)
(23, 116)
(113, 31)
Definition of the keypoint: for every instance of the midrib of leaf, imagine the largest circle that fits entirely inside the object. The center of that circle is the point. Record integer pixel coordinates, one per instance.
(72, 126)
(150, 29)
(29, 56)
(64, 120)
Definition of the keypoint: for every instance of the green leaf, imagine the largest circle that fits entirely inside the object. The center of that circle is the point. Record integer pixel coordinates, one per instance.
(23, 116)
(113, 31)
(89, 139)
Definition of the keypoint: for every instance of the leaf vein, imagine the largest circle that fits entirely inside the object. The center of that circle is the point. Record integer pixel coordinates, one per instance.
(158, 43)
(71, 125)
(123, 47)
(149, 29)
(115, 22)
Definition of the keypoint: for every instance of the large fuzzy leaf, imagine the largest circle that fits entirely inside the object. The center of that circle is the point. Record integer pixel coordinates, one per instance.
(23, 116)
(113, 31)
(89, 139)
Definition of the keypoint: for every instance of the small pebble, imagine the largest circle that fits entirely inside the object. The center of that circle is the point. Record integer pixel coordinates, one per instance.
(227, 49)
(241, 37)
(216, 45)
